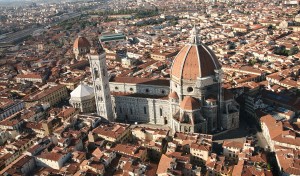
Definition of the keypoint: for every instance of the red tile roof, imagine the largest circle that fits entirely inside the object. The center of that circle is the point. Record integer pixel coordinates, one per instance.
(189, 103)
(194, 61)
(81, 42)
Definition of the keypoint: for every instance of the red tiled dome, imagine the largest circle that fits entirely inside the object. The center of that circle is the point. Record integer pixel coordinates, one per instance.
(173, 95)
(81, 42)
(195, 60)
(189, 103)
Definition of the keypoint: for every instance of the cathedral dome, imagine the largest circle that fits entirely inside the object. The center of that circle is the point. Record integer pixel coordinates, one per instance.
(189, 103)
(173, 95)
(195, 60)
(81, 42)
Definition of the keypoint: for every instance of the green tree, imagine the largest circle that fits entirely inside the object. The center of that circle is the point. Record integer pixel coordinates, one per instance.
(231, 46)
(280, 50)
(252, 62)
(293, 50)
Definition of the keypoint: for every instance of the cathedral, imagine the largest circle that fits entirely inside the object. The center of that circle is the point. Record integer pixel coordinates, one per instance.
(192, 100)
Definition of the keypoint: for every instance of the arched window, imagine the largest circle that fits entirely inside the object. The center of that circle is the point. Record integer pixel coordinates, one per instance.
(145, 110)
(98, 87)
(160, 111)
(100, 99)
(96, 73)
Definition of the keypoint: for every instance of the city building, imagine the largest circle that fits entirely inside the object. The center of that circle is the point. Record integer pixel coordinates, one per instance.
(196, 102)
(9, 107)
(83, 98)
(51, 95)
(52, 160)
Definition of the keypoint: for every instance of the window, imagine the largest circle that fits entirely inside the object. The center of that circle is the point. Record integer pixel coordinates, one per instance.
(96, 74)
(147, 90)
(166, 121)
(131, 89)
(145, 110)
(131, 111)
(98, 87)
(116, 88)
(186, 118)
(163, 91)
(160, 111)
(190, 89)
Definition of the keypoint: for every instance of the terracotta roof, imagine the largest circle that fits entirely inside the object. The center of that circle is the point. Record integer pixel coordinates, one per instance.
(200, 147)
(30, 75)
(112, 130)
(146, 81)
(97, 153)
(233, 144)
(287, 158)
(41, 94)
(51, 156)
(238, 169)
(130, 150)
(164, 164)
(189, 103)
(66, 112)
(81, 42)
(173, 95)
(194, 61)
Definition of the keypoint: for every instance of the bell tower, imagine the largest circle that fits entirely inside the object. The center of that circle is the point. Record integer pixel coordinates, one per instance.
(97, 59)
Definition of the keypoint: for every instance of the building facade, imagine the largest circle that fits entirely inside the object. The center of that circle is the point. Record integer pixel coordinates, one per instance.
(101, 83)
(83, 98)
(9, 107)
(191, 101)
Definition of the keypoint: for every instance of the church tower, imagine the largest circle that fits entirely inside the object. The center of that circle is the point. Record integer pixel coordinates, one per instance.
(97, 58)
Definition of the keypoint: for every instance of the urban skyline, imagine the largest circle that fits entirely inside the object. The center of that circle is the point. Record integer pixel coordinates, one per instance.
(150, 87)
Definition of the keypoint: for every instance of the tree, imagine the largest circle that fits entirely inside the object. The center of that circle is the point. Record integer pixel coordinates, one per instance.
(231, 46)
(293, 50)
(280, 50)
(252, 62)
